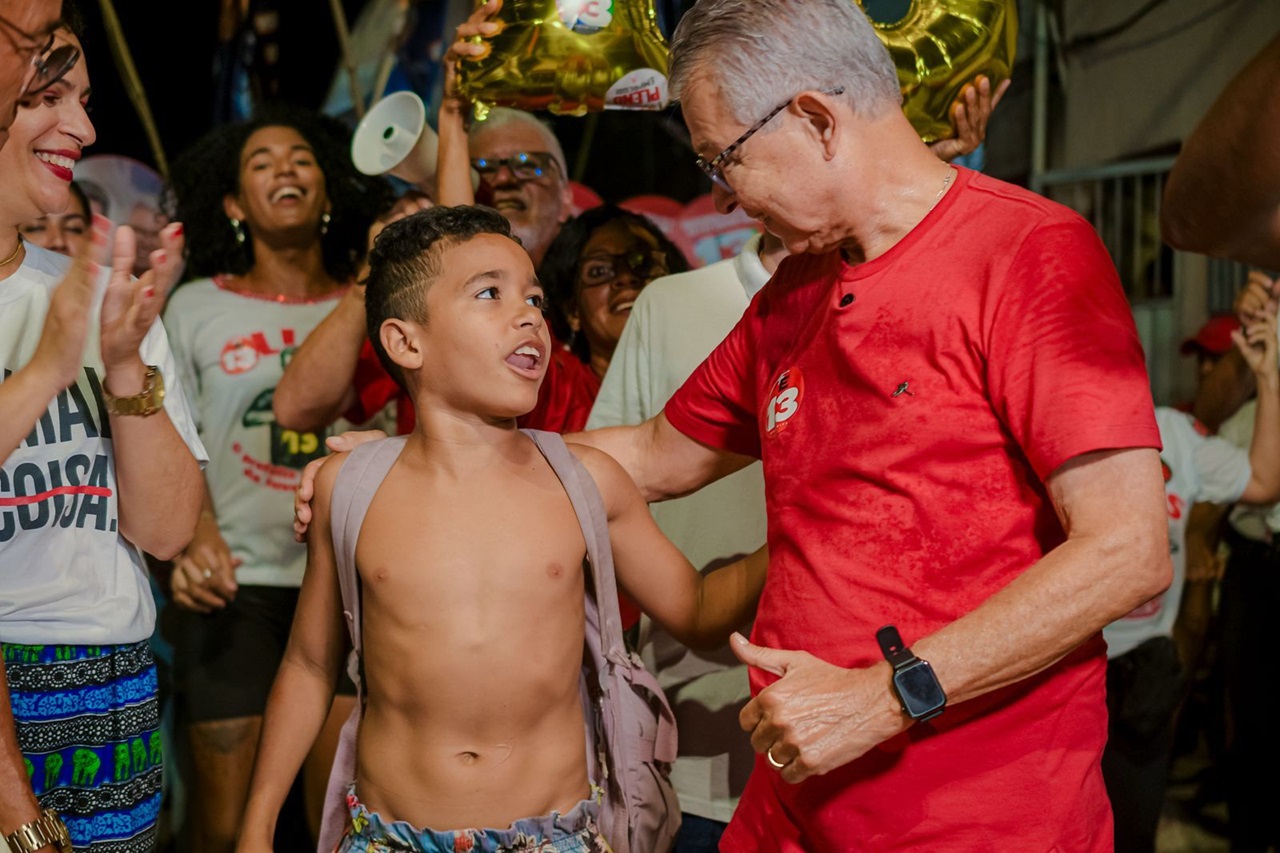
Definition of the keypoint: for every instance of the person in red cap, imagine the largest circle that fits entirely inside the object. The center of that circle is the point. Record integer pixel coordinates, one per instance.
(1211, 342)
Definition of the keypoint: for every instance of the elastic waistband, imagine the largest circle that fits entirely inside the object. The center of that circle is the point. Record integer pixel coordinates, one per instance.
(574, 831)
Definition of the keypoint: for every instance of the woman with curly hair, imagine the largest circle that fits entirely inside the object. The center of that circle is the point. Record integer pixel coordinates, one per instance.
(592, 273)
(277, 222)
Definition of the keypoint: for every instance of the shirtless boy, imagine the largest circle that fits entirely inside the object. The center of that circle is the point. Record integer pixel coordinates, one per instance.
(471, 569)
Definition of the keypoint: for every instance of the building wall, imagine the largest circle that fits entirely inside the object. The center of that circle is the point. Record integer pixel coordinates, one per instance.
(1144, 90)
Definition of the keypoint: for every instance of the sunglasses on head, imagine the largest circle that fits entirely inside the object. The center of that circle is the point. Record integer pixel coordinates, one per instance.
(51, 64)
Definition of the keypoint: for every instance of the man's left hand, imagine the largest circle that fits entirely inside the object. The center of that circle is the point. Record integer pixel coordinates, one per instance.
(816, 716)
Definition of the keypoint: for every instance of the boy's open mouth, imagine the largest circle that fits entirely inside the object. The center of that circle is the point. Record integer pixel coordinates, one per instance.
(526, 358)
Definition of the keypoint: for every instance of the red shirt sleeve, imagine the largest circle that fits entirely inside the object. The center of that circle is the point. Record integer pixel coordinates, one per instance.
(717, 404)
(1066, 370)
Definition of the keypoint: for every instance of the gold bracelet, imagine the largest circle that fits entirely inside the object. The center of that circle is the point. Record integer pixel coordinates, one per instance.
(146, 402)
(41, 832)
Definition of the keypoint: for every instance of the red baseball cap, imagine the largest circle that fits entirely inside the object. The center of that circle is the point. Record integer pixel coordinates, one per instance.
(1214, 336)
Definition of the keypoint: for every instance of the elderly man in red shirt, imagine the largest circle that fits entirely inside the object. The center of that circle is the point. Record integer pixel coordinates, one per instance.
(945, 451)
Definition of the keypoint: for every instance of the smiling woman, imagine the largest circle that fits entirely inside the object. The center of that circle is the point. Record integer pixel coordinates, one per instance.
(81, 497)
(594, 270)
(277, 221)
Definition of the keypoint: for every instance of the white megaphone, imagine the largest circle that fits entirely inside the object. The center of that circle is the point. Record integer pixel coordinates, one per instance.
(394, 138)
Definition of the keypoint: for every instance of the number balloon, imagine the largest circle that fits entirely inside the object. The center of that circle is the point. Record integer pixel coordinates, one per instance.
(570, 56)
(940, 45)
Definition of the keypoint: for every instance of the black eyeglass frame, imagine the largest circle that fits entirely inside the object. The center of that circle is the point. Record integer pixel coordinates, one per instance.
(537, 161)
(648, 260)
(711, 168)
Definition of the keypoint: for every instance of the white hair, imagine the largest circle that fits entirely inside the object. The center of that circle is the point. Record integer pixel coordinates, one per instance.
(759, 53)
(500, 116)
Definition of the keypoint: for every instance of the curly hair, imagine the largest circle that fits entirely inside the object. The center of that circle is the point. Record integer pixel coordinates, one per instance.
(210, 170)
(558, 272)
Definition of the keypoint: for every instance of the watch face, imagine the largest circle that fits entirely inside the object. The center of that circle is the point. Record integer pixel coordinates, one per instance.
(919, 690)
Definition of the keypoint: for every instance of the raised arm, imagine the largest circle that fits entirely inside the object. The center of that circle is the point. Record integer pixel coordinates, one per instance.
(1258, 347)
(317, 385)
(453, 168)
(700, 611)
(306, 681)
(159, 479)
(817, 716)
(1231, 382)
(1223, 195)
(664, 462)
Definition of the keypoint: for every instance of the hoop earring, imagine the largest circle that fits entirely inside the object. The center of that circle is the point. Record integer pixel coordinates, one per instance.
(237, 227)
(324, 224)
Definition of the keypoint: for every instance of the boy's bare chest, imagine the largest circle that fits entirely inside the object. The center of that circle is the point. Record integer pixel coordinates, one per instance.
(478, 546)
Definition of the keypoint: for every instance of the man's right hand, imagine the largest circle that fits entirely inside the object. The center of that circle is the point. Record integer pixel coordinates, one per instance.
(306, 490)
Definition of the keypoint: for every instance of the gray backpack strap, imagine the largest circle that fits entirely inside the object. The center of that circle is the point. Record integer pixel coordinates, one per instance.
(353, 490)
(594, 521)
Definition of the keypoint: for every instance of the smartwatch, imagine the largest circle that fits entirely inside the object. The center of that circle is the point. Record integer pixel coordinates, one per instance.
(914, 683)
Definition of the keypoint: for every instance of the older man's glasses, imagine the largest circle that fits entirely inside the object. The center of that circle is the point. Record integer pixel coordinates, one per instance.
(524, 166)
(51, 64)
(604, 268)
(714, 168)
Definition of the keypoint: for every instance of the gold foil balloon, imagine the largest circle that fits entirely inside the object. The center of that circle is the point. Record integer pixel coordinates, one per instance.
(570, 56)
(940, 45)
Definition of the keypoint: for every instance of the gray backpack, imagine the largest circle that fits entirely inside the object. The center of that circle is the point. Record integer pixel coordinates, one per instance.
(631, 733)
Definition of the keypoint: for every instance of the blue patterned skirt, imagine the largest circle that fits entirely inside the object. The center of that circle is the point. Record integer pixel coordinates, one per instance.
(88, 723)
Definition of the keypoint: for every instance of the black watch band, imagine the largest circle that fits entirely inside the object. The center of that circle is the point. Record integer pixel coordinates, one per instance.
(914, 682)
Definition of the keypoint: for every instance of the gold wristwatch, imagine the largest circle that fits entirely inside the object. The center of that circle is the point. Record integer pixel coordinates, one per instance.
(41, 832)
(149, 401)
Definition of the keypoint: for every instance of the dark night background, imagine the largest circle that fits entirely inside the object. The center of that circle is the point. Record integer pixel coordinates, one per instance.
(174, 46)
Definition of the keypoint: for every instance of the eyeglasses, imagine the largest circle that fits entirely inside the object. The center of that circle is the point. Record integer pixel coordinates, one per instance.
(601, 269)
(713, 168)
(525, 166)
(51, 65)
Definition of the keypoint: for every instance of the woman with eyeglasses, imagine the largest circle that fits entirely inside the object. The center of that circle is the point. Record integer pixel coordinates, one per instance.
(594, 270)
(110, 470)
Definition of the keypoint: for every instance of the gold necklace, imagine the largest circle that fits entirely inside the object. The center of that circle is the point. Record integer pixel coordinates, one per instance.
(946, 182)
(16, 251)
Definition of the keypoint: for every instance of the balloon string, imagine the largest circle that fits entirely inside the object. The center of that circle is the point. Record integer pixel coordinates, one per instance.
(584, 149)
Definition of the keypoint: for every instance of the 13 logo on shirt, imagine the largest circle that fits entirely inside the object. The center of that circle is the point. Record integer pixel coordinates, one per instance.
(788, 392)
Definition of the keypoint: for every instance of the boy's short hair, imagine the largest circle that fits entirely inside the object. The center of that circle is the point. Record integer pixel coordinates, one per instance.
(406, 257)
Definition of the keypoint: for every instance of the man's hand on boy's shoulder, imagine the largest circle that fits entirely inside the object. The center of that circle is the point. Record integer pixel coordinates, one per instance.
(305, 493)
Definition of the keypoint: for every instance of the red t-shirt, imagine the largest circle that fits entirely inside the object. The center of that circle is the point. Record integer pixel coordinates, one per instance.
(564, 401)
(907, 411)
